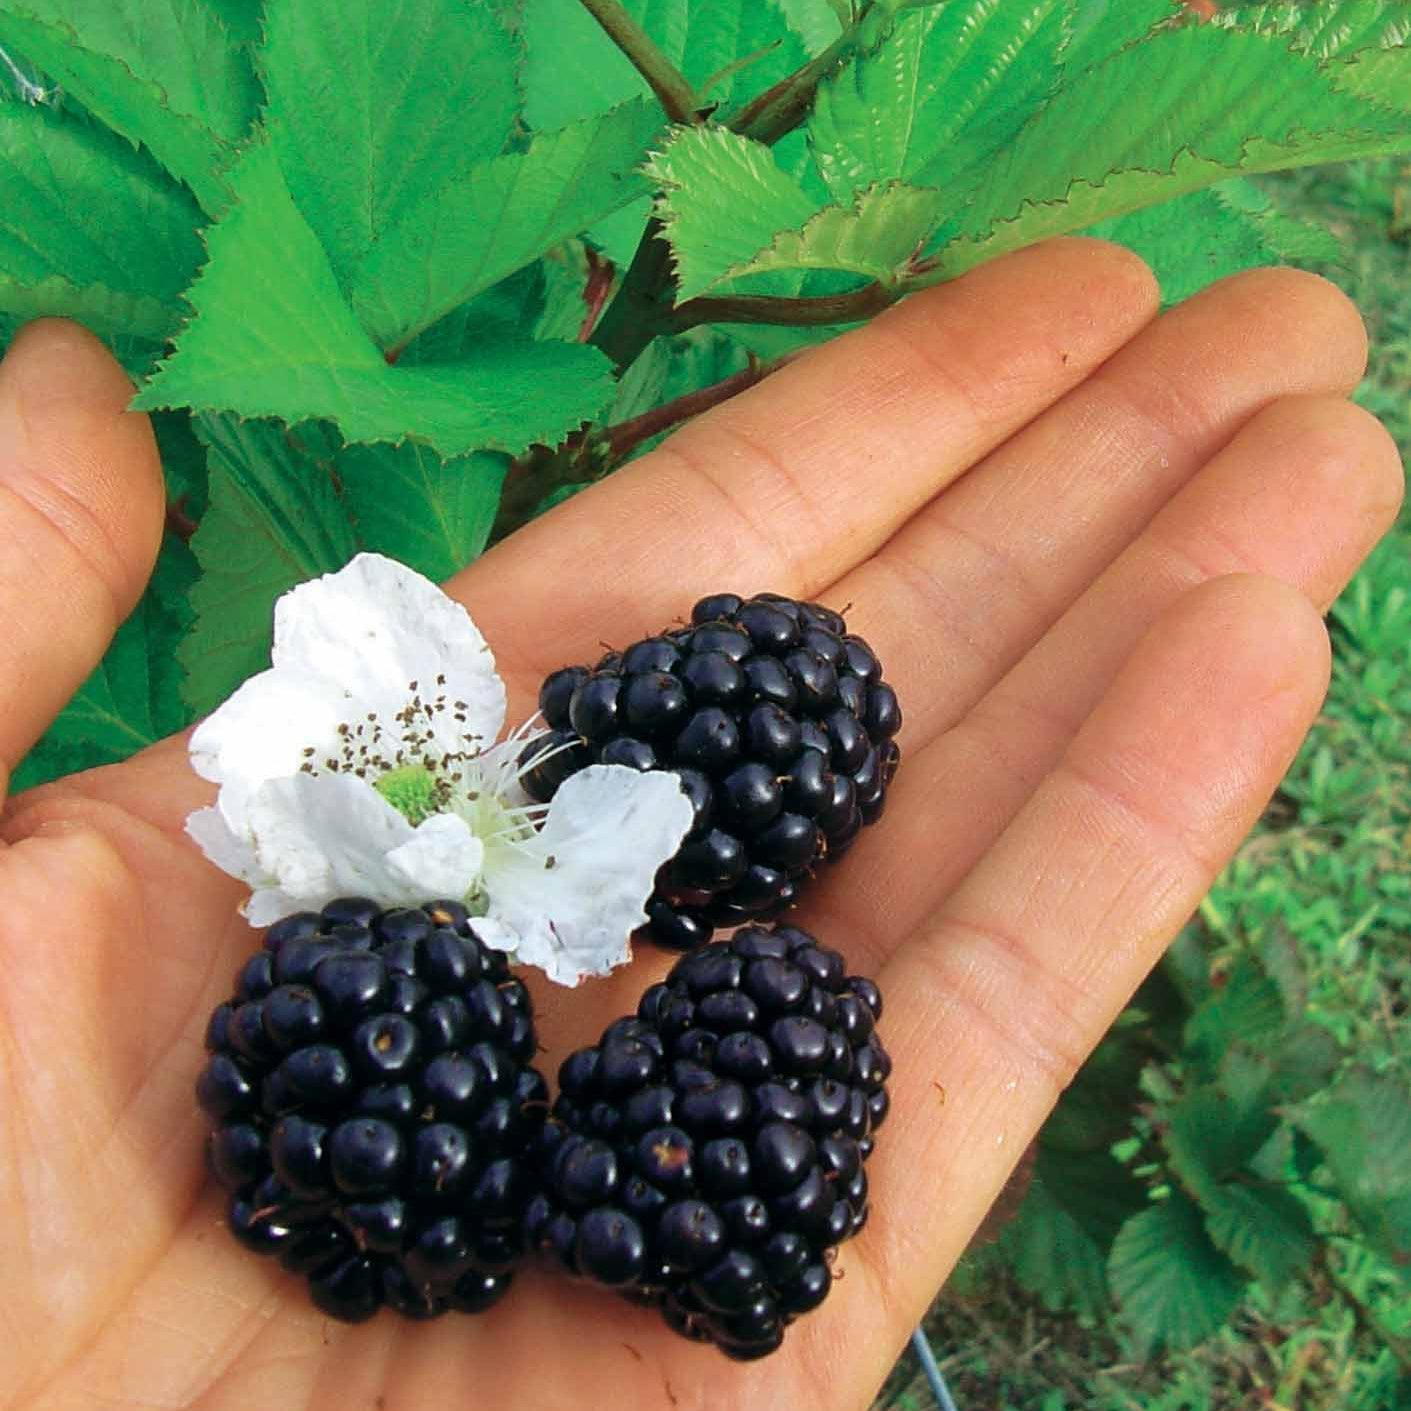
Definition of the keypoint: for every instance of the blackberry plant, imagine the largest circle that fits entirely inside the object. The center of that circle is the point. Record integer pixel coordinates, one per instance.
(398, 274)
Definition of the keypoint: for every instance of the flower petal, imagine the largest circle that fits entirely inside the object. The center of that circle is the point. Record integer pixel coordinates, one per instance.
(443, 858)
(235, 855)
(323, 836)
(229, 852)
(568, 899)
(376, 627)
(262, 732)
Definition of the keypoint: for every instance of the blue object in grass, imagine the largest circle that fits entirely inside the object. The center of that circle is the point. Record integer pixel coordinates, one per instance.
(922, 1346)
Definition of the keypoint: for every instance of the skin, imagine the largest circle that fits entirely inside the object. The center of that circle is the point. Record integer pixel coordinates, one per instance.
(1092, 547)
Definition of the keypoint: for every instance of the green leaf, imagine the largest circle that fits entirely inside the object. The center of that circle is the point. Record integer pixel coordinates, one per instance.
(1381, 76)
(1053, 1256)
(297, 353)
(1060, 1240)
(499, 315)
(620, 233)
(816, 22)
(408, 503)
(1172, 1284)
(573, 70)
(874, 238)
(1362, 1126)
(184, 464)
(241, 17)
(133, 699)
(1103, 27)
(1246, 1006)
(1325, 30)
(670, 368)
(378, 104)
(1207, 235)
(1287, 238)
(1264, 1229)
(731, 50)
(1176, 113)
(1086, 206)
(95, 307)
(943, 95)
(565, 274)
(273, 521)
(468, 234)
(80, 204)
(1096, 1109)
(163, 73)
(1210, 1137)
(1303, 1063)
(724, 199)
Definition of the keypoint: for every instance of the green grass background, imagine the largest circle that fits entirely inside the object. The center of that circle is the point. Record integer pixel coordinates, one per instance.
(1327, 867)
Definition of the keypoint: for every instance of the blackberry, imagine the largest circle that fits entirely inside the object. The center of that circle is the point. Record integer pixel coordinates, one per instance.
(374, 1108)
(706, 1155)
(780, 726)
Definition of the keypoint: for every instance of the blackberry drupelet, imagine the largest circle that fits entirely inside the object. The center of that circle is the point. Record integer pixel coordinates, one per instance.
(777, 721)
(374, 1108)
(706, 1155)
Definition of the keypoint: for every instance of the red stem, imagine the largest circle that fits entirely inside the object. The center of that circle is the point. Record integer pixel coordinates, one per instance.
(624, 438)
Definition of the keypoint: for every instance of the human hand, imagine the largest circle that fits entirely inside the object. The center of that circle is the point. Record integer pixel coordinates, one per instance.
(1092, 550)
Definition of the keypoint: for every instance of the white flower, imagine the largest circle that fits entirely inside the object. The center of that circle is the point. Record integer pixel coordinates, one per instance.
(365, 762)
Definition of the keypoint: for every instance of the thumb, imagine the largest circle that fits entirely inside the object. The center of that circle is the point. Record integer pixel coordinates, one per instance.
(81, 512)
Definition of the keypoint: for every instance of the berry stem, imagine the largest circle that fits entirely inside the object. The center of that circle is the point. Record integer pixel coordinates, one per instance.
(624, 438)
(178, 521)
(638, 310)
(780, 109)
(675, 94)
(852, 307)
(602, 274)
(642, 307)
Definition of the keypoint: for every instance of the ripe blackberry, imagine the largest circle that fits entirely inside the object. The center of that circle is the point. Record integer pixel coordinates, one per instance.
(706, 1155)
(777, 721)
(374, 1108)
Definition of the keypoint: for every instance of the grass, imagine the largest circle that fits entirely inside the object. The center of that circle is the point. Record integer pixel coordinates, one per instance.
(1327, 869)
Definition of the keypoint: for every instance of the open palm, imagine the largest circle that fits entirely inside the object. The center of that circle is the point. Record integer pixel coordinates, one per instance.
(1091, 546)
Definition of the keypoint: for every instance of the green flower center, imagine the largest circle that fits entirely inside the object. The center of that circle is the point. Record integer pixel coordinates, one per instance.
(414, 791)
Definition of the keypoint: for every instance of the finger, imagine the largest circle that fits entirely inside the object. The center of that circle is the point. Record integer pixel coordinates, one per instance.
(81, 513)
(926, 388)
(788, 484)
(997, 1000)
(1302, 494)
(976, 579)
